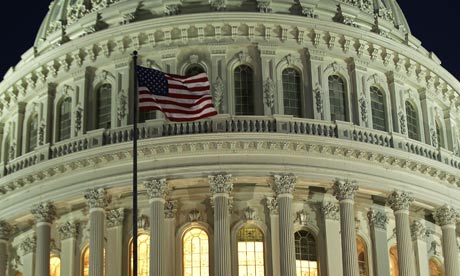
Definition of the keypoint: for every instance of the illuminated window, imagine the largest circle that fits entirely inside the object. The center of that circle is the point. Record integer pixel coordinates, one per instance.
(291, 92)
(195, 252)
(244, 91)
(143, 255)
(64, 119)
(362, 258)
(440, 135)
(250, 251)
(306, 259)
(194, 70)
(55, 266)
(33, 133)
(378, 109)
(337, 98)
(412, 121)
(435, 268)
(85, 262)
(104, 106)
(394, 268)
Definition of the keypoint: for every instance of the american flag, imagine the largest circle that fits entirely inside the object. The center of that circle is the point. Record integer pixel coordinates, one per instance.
(180, 98)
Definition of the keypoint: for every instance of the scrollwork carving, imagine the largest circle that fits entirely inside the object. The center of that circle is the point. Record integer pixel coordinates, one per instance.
(272, 205)
(122, 105)
(419, 231)
(318, 98)
(221, 183)
(399, 200)
(5, 230)
(284, 184)
(28, 245)
(345, 189)
(170, 209)
(378, 219)
(69, 230)
(194, 215)
(446, 215)
(44, 212)
(363, 108)
(269, 92)
(115, 217)
(249, 214)
(218, 92)
(402, 121)
(156, 188)
(330, 211)
(97, 198)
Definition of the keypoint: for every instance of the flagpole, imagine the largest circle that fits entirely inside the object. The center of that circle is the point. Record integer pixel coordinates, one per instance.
(135, 134)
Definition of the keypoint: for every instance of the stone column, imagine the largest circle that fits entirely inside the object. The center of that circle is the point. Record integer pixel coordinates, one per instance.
(114, 253)
(272, 206)
(44, 214)
(221, 186)
(5, 231)
(97, 201)
(345, 191)
(157, 190)
(68, 233)
(170, 230)
(419, 239)
(378, 221)
(399, 202)
(446, 217)
(330, 240)
(284, 186)
(27, 247)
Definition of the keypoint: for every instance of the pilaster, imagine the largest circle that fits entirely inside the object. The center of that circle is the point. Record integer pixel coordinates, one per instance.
(419, 239)
(170, 239)
(114, 252)
(446, 217)
(68, 233)
(319, 95)
(79, 102)
(122, 100)
(27, 247)
(330, 239)
(272, 207)
(5, 232)
(378, 221)
(219, 78)
(271, 92)
(360, 98)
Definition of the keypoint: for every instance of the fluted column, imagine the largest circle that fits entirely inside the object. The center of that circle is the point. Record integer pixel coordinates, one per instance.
(97, 201)
(419, 238)
(345, 191)
(221, 186)
(378, 221)
(68, 233)
(157, 189)
(446, 217)
(284, 186)
(114, 250)
(170, 230)
(27, 247)
(5, 231)
(399, 202)
(274, 253)
(44, 214)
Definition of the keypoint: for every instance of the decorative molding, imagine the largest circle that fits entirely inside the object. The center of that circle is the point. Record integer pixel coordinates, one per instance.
(446, 215)
(78, 118)
(378, 219)
(220, 183)
(143, 222)
(122, 109)
(435, 249)
(419, 231)
(115, 217)
(345, 189)
(5, 230)
(402, 121)
(317, 91)
(399, 200)
(218, 5)
(68, 230)
(44, 212)
(264, 6)
(272, 205)
(97, 198)
(249, 214)
(330, 211)
(302, 217)
(28, 245)
(269, 92)
(157, 188)
(194, 215)
(363, 109)
(284, 184)
(218, 92)
(170, 209)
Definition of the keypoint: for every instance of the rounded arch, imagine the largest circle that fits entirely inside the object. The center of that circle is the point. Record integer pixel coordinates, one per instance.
(337, 98)
(32, 132)
(55, 265)
(394, 267)
(363, 256)
(84, 261)
(412, 120)
(102, 100)
(436, 267)
(337, 69)
(143, 241)
(291, 79)
(63, 118)
(189, 65)
(306, 252)
(244, 91)
(379, 108)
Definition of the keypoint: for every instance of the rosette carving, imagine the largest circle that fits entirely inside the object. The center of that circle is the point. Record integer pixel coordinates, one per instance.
(170, 209)
(345, 189)
(44, 212)
(97, 198)
(5, 230)
(378, 219)
(221, 183)
(330, 211)
(445, 215)
(156, 188)
(69, 230)
(284, 184)
(115, 217)
(399, 200)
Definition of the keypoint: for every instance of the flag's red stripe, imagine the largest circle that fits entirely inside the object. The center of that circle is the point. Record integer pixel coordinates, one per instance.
(185, 105)
(192, 118)
(174, 95)
(181, 111)
(197, 80)
(191, 89)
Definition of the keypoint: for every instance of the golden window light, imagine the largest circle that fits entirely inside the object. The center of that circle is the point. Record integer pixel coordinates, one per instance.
(251, 251)
(143, 257)
(195, 252)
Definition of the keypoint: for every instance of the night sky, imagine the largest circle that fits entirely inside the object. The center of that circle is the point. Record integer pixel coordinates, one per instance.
(437, 26)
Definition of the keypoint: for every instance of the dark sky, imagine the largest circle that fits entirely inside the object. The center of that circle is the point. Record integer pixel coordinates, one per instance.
(435, 23)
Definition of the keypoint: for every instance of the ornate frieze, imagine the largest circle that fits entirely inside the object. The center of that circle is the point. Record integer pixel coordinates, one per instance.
(170, 209)
(122, 109)
(156, 188)
(44, 212)
(284, 184)
(269, 92)
(97, 198)
(221, 183)
(5, 230)
(28, 245)
(194, 215)
(318, 98)
(378, 219)
(330, 211)
(302, 217)
(345, 189)
(69, 230)
(419, 231)
(272, 205)
(363, 108)
(218, 88)
(446, 215)
(249, 214)
(399, 200)
(115, 217)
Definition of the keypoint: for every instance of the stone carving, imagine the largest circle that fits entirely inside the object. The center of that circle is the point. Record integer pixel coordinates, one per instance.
(302, 217)
(264, 6)
(399, 200)
(434, 137)
(249, 214)
(41, 134)
(97, 198)
(345, 189)
(363, 108)
(318, 98)
(75, 12)
(378, 219)
(12, 151)
(334, 66)
(194, 215)
(284, 184)
(115, 217)
(172, 9)
(194, 59)
(269, 92)
(309, 12)
(5, 230)
(272, 205)
(243, 57)
(385, 13)
(435, 248)
(221, 183)
(69, 230)
(330, 211)
(446, 215)
(78, 118)
(419, 231)
(28, 245)
(364, 5)
(218, 92)
(156, 188)
(122, 109)
(54, 26)
(170, 209)
(402, 121)
(218, 5)
(143, 222)
(44, 212)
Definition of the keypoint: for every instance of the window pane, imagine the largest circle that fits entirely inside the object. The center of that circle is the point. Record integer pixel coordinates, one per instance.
(412, 121)
(55, 266)
(306, 259)
(143, 255)
(251, 260)
(244, 91)
(104, 106)
(194, 70)
(337, 98)
(378, 109)
(362, 257)
(33, 133)
(85, 262)
(291, 92)
(195, 253)
(64, 119)
(394, 268)
(435, 268)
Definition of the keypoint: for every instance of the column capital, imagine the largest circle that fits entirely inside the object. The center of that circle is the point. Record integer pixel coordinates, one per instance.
(345, 189)
(330, 211)
(97, 198)
(446, 215)
(170, 209)
(419, 232)
(400, 201)
(220, 183)
(28, 245)
(284, 184)
(378, 219)
(272, 205)
(115, 217)
(5, 230)
(69, 230)
(44, 212)
(157, 188)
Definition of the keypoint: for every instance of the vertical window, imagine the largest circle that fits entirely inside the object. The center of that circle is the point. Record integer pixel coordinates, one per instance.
(435, 268)
(143, 256)
(32, 133)
(145, 115)
(85, 262)
(337, 98)
(6, 153)
(244, 90)
(306, 259)
(251, 251)
(104, 106)
(55, 266)
(291, 92)
(195, 252)
(378, 109)
(412, 121)
(394, 268)
(194, 70)
(439, 135)
(64, 119)
(362, 258)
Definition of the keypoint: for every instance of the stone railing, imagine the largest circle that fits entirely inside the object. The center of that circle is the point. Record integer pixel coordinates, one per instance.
(232, 124)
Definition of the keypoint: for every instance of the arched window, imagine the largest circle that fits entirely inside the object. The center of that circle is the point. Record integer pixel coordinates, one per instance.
(291, 92)
(306, 259)
(362, 258)
(394, 268)
(337, 98)
(55, 266)
(378, 109)
(143, 255)
(412, 121)
(32, 127)
(439, 135)
(85, 262)
(435, 268)
(244, 90)
(195, 252)
(65, 109)
(194, 69)
(104, 106)
(250, 251)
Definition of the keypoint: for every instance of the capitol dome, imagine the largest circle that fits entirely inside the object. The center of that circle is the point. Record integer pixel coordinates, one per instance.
(336, 150)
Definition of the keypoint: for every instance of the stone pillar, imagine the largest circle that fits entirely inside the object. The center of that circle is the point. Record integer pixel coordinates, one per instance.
(330, 239)
(114, 253)
(221, 186)
(378, 221)
(44, 215)
(399, 202)
(157, 190)
(27, 247)
(272, 206)
(284, 186)
(345, 191)
(446, 217)
(170, 238)
(68, 233)
(419, 239)
(97, 201)
(5, 231)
